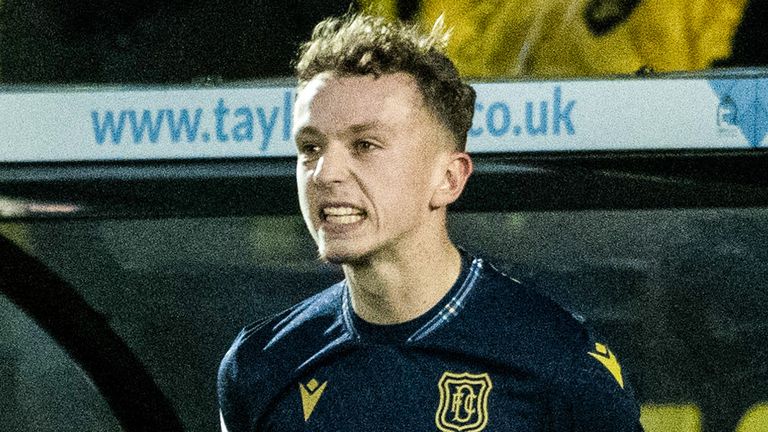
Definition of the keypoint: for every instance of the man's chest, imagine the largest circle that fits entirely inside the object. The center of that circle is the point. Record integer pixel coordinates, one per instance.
(388, 389)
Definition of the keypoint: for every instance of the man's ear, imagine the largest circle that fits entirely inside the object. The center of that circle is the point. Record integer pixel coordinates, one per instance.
(453, 180)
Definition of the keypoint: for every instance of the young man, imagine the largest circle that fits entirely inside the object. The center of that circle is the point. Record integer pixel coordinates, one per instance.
(420, 336)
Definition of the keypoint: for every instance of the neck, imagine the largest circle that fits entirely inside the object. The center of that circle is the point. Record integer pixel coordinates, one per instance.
(399, 286)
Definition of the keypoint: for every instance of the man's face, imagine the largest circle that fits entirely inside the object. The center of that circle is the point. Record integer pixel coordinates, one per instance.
(369, 159)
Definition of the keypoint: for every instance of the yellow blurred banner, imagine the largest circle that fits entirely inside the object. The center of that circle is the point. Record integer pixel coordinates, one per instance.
(505, 38)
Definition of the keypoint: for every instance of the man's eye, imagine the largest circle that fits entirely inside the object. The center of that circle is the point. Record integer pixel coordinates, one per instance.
(309, 149)
(365, 145)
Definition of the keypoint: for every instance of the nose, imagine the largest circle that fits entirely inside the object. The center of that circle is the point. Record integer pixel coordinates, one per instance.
(332, 166)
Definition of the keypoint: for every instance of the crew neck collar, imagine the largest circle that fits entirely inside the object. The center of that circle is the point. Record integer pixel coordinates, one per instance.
(447, 308)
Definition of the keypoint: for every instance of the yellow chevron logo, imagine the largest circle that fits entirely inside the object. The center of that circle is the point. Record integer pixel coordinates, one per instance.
(608, 359)
(310, 394)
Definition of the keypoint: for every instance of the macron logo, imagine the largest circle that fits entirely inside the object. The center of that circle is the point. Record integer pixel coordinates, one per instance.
(310, 394)
(608, 359)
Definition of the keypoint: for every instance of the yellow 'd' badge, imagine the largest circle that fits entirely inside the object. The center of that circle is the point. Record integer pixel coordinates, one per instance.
(463, 402)
(608, 359)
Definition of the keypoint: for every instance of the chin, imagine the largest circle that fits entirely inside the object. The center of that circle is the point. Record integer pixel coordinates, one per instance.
(342, 257)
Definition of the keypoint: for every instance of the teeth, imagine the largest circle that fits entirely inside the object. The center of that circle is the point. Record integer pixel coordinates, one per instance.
(342, 211)
(343, 215)
(343, 220)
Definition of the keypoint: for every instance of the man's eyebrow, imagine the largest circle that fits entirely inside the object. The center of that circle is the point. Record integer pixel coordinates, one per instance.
(308, 130)
(364, 127)
(358, 128)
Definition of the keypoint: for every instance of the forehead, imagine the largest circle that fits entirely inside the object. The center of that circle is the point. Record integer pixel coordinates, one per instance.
(333, 101)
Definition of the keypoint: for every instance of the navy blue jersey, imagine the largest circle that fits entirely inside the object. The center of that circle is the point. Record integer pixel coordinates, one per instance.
(493, 355)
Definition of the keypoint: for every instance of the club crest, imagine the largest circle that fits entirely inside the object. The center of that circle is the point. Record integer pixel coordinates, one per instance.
(463, 402)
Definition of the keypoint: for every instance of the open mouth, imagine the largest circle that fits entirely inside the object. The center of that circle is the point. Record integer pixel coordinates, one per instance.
(342, 215)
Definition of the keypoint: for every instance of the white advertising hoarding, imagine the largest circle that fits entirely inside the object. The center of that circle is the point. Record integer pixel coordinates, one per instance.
(544, 116)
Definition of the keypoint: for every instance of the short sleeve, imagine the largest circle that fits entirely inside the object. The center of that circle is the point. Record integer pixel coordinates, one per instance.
(598, 397)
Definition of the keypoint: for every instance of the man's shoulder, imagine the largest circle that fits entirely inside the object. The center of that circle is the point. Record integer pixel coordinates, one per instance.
(542, 335)
(514, 321)
(519, 308)
(268, 354)
(532, 330)
(276, 347)
(294, 329)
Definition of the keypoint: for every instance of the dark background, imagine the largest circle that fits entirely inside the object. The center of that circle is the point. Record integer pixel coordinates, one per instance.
(199, 41)
(680, 293)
